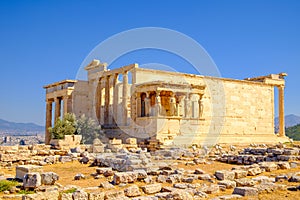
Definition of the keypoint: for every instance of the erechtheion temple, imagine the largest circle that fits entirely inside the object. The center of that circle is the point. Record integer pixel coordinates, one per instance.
(171, 108)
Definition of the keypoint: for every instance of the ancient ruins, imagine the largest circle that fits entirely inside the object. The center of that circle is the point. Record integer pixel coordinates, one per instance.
(171, 108)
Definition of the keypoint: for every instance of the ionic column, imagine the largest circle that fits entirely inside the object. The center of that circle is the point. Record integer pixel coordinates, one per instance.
(107, 99)
(138, 105)
(48, 121)
(111, 99)
(57, 108)
(99, 100)
(125, 96)
(281, 111)
(115, 99)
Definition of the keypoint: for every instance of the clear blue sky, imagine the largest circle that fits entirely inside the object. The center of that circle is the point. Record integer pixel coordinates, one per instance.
(45, 41)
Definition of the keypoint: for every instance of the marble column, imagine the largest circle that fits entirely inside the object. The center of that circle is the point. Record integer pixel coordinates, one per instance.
(57, 108)
(125, 97)
(115, 99)
(138, 105)
(281, 111)
(48, 121)
(99, 100)
(107, 100)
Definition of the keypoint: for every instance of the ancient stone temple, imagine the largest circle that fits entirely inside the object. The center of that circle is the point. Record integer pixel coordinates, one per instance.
(171, 108)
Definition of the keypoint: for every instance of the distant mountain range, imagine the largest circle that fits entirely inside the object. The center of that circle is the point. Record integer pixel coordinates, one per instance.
(13, 127)
(290, 120)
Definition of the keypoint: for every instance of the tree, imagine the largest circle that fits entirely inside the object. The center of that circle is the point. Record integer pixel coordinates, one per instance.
(67, 126)
(293, 132)
(88, 128)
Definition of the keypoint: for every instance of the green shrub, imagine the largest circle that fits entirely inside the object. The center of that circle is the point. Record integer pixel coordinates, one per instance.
(88, 128)
(71, 190)
(26, 192)
(7, 185)
(67, 126)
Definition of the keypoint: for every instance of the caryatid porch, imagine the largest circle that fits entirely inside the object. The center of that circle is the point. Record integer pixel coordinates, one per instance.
(169, 102)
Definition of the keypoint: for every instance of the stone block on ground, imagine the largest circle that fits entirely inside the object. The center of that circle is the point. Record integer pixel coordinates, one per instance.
(245, 191)
(32, 180)
(79, 195)
(115, 194)
(49, 178)
(152, 188)
(132, 191)
(224, 175)
(96, 195)
(21, 170)
(228, 184)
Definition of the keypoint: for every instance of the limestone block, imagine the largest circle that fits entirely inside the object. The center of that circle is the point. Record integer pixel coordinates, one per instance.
(180, 194)
(132, 191)
(131, 141)
(224, 175)
(212, 189)
(228, 184)
(269, 166)
(246, 191)
(21, 170)
(115, 141)
(124, 177)
(49, 178)
(66, 196)
(80, 195)
(245, 182)
(254, 171)
(114, 194)
(240, 174)
(32, 180)
(152, 188)
(284, 165)
(96, 195)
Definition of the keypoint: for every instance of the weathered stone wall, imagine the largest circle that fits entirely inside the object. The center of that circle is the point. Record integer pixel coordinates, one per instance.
(236, 109)
(80, 98)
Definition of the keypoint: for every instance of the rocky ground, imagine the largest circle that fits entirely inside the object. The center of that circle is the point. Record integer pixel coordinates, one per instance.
(252, 172)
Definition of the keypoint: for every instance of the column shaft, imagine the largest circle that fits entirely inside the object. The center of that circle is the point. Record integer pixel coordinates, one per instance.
(125, 96)
(107, 98)
(281, 111)
(115, 100)
(57, 108)
(48, 121)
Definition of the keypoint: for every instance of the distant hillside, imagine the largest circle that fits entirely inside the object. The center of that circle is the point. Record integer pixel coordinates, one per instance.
(293, 132)
(290, 120)
(6, 126)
